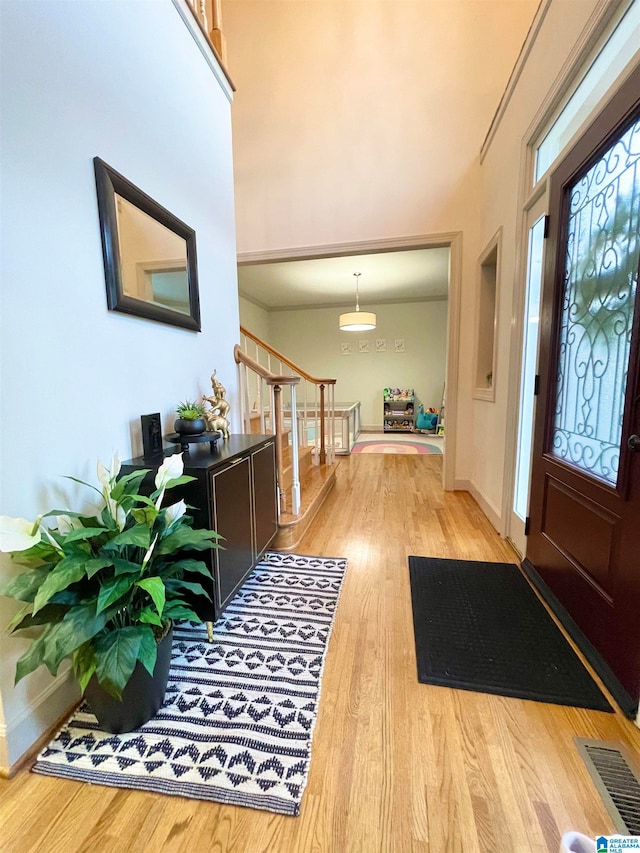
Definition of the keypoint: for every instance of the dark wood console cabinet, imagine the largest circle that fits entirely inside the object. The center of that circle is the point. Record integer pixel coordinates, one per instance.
(234, 493)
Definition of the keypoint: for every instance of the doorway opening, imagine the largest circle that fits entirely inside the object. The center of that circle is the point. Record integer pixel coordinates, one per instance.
(303, 319)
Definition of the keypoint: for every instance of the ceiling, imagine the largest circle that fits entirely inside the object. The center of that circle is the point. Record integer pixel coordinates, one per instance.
(409, 275)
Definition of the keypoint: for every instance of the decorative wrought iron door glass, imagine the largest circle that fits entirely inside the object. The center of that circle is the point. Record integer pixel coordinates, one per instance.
(603, 245)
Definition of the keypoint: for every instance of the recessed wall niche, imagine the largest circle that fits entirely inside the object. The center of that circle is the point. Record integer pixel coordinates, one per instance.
(487, 320)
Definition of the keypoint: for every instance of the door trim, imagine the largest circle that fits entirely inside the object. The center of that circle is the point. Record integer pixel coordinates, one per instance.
(536, 206)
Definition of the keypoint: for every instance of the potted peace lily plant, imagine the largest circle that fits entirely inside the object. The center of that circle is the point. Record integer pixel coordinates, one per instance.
(104, 590)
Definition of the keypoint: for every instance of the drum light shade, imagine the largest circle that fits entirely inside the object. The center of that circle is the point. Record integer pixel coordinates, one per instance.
(357, 321)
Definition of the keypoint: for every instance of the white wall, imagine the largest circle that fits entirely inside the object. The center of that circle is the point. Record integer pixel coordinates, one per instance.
(126, 82)
(363, 120)
(255, 319)
(312, 339)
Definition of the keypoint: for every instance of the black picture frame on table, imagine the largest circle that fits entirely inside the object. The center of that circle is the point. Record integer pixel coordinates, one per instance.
(109, 184)
(152, 446)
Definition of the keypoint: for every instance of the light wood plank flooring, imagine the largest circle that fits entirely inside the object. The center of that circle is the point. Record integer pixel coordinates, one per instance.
(397, 765)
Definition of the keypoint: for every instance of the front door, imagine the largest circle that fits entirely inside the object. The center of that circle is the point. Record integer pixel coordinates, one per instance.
(585, 491)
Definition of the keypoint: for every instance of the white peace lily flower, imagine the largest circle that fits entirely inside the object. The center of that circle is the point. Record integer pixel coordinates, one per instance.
(18, 534)
(108, 480)
(147, 556)
(114, 508)
(52, 541)
(116, 465)
(103, 474)
(171, 468)
(108, 477)
(65, 524)
(175, 511)
(121, 517)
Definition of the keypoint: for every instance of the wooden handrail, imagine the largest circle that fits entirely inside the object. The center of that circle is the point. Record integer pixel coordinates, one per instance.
(278, 419)
(270, 378)
(283, 359)
(276, 382)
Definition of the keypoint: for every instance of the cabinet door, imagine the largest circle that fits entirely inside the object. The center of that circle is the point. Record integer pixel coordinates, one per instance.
(233, 519)
(196, 495)
(264, 497)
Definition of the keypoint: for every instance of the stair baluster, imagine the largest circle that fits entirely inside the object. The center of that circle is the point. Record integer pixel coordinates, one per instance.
(306, 434)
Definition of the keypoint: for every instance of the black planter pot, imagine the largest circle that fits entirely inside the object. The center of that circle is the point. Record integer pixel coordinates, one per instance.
(141, 698)
(185, 427)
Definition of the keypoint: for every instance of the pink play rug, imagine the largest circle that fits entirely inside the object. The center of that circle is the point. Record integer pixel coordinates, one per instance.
(412, 444)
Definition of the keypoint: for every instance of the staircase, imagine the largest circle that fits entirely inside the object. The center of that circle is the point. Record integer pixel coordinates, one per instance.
(278, 397)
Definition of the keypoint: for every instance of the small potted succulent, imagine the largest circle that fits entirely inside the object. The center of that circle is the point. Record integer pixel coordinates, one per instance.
(190, 420)
(104, 587)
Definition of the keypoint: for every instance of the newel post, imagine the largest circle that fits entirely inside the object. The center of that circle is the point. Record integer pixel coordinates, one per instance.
(323, 450)
(279, 430)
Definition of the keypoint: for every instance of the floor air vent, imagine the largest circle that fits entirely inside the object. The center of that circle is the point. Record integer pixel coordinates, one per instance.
(616, 778)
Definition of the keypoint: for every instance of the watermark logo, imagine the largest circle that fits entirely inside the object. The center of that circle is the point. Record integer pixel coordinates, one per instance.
(616, 843)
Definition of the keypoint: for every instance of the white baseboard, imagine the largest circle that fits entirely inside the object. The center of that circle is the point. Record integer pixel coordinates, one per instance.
(4, 752)
(462, 486)
(487, 508)
(18, 735)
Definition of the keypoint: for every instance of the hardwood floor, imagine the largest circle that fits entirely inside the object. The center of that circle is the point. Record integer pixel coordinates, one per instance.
(397, 765)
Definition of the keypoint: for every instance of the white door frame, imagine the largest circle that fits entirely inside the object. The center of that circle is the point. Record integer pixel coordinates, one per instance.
(535, 208)
(452, 240)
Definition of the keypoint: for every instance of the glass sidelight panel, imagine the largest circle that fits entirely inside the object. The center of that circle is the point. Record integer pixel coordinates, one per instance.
(529, 363)
(600, 280)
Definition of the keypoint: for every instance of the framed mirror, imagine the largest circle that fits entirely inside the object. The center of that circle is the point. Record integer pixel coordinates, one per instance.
(149, 254)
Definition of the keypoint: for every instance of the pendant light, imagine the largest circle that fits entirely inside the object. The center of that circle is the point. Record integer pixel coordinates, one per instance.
(357, 321)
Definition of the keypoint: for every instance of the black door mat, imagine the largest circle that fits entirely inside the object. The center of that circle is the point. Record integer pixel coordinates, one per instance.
(480, 626)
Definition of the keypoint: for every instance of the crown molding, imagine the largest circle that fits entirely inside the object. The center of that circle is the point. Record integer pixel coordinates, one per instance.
(367, 307)
(253, 300)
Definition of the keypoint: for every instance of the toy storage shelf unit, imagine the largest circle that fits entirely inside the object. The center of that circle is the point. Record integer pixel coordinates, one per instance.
(399, 410)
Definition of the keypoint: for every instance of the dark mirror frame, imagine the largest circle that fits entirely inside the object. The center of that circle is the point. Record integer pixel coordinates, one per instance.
(108, 184)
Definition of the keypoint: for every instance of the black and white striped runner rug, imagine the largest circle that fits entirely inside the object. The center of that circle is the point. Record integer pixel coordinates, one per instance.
(238, 718)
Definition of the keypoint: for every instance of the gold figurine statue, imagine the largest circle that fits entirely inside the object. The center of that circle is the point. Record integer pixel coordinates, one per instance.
(216, 415)
(217, 423)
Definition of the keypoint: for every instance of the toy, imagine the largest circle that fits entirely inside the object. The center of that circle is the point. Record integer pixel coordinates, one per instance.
(398, 394)
(426, 420)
